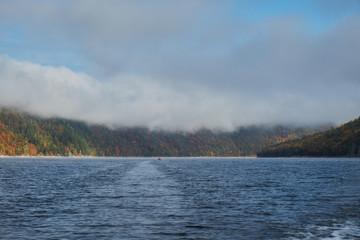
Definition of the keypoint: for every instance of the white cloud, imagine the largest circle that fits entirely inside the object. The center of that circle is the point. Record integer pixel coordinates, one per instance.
(123, 101)
(180, 65)
(136, 101)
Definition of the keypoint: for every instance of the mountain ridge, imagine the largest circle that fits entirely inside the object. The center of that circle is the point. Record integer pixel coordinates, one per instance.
(25, 134)
(342, 141)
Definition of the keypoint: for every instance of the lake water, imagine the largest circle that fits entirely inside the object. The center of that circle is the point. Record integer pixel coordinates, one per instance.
(179, 198)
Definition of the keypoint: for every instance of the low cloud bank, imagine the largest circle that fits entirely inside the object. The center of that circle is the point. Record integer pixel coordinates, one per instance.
(129, 100)
(181, 65)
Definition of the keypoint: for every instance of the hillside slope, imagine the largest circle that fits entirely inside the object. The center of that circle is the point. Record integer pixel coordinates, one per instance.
(23, 134)
(341, 141)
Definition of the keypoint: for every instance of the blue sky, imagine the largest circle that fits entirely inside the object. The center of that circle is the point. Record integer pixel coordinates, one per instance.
(313, 12)
(182, 64)
(19, 42)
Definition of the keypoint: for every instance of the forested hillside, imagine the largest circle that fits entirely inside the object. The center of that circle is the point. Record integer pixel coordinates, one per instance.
(341, 141)
(23, 134)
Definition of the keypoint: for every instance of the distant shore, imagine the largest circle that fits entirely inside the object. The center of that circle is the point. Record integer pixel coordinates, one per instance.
(163, 157)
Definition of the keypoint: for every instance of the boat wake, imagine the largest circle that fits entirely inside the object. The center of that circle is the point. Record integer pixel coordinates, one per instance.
(346, 230)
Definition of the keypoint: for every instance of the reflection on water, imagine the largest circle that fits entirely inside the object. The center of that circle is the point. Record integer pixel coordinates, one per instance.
(179, 198)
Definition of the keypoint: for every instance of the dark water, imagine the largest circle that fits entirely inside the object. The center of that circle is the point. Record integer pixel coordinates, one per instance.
(143, 198)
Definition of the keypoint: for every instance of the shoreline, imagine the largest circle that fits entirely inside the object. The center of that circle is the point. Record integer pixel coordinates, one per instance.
(164, 157)
(169, 157)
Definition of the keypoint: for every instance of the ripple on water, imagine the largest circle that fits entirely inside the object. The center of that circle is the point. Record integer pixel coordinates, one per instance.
(144, 198)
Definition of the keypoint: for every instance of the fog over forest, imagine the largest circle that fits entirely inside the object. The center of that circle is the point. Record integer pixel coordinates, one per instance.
(182, 65)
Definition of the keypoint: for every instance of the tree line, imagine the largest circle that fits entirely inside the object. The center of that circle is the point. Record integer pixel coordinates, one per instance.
(24, 134)
(337, 142)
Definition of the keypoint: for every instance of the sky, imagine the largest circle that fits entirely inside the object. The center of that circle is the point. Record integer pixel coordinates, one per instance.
(182, 64)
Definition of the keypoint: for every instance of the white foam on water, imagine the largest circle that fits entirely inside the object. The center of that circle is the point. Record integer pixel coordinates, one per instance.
(148, 189)
(348, 230)
(339, 231)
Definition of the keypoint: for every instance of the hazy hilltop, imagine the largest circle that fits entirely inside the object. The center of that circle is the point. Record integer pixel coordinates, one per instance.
(24, 134)
(341, 141)
(178, 66)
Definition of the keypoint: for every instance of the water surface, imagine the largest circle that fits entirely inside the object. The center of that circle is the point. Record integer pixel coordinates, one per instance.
(179, 198)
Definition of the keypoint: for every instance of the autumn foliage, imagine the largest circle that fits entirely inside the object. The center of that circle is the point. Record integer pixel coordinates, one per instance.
(23, 134)
(341, 141)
